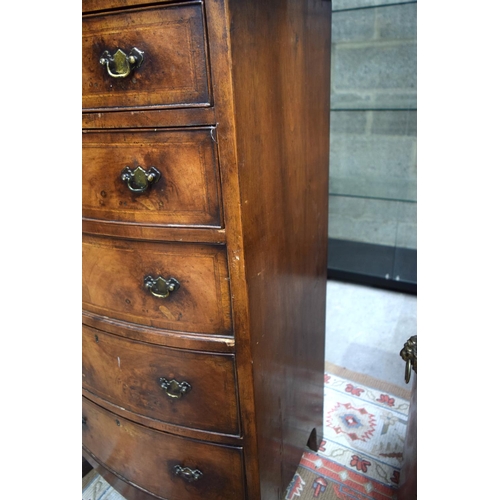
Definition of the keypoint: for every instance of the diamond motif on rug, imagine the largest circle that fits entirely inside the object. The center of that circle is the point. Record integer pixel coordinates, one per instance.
(360, 456)
(354, 422)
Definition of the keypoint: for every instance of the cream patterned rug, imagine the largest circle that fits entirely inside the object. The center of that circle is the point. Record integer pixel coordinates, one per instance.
(361, 453)
(364, 431)
(96, 488)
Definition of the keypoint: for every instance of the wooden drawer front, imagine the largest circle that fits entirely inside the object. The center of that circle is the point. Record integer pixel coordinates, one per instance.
(174, 68)
(113, 284)
(186, 192)
(148, 458)
(128, 373)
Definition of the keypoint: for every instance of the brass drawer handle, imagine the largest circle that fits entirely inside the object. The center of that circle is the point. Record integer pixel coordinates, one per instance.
(160, 287)
(120, 65)
(188, 474)
(139, 180)
(173, 388)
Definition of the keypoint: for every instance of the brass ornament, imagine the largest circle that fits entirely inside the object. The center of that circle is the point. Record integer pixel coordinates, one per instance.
(188, 474)
(139, 180)
(173, 388)
(161, 287)
(120, 65)
(409, 354)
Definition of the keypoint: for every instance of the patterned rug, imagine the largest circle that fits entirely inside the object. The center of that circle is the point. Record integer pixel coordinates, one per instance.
(96, 488)
(361, 454)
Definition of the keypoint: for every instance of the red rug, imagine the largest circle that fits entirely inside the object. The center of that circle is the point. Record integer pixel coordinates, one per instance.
(364, 432)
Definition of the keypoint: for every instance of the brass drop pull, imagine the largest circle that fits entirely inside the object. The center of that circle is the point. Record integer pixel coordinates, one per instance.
(120, 64)
(139, 180)
(160, 287)
(188, 474)
(173, 388)
(409, 354)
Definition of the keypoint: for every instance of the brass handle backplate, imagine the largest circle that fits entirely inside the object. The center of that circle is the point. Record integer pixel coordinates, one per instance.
(120, 65)
(188, 474)
(409, 354)
(160, 287)
(139, 180)
(173, 388)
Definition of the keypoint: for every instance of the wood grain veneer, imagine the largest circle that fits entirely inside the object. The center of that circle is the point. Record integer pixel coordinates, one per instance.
(133, 460)
(127, 373)
(174, 71)
(186, 194)
(113, 284)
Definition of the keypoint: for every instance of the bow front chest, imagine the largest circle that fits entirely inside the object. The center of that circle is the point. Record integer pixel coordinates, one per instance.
(205, 201)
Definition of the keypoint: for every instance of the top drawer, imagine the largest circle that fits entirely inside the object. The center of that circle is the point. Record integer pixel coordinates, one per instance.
(174, 68)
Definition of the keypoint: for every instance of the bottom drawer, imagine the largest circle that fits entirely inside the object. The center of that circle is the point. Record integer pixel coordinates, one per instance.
(168, 466)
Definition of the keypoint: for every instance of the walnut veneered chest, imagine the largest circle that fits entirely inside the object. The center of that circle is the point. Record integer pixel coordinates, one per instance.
(205, 204)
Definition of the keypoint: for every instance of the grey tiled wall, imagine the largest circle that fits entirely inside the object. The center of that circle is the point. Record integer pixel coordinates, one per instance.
(382, 222)
(373, 165)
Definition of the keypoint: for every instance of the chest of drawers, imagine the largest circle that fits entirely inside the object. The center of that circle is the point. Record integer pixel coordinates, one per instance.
(205, 204)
